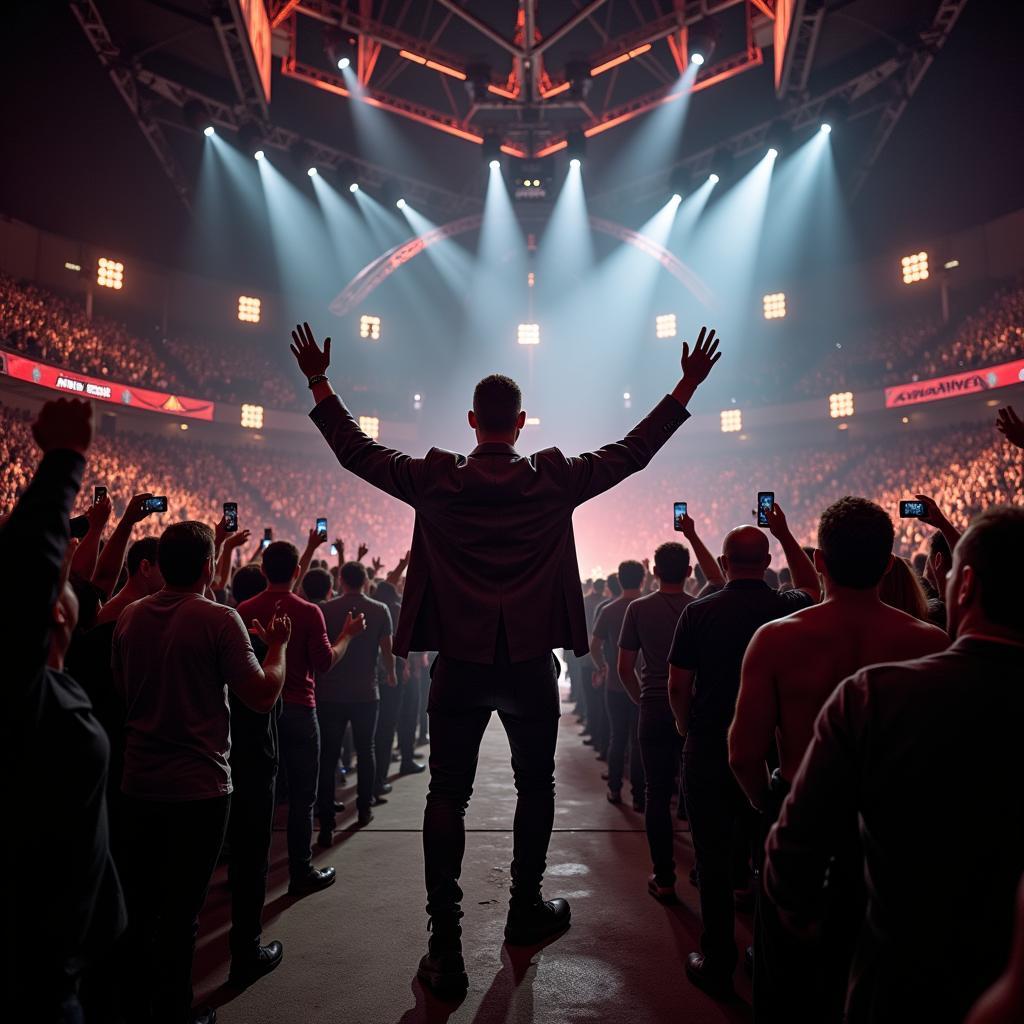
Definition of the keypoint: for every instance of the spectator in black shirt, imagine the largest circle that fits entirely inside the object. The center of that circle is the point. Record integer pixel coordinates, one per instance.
(52, 743)
(704, 679)
(596, 718)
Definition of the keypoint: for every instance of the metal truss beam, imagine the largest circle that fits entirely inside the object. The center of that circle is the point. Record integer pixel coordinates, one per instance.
(239, 59)
(931, 41)
(801, 46)
(124, 77)
(232, 117)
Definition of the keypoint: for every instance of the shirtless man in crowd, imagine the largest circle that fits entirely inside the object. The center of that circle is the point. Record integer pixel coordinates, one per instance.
(791, 668)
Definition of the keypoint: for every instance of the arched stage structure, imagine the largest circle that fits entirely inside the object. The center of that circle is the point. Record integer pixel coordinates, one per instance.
(375, 273)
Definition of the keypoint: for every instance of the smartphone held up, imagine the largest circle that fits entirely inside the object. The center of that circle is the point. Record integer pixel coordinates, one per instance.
(765, 503)
(678, 515)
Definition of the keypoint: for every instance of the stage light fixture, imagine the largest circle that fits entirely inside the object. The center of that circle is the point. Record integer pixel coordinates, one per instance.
(417, 398)
(312, 172)
(915, 267)
(774, 305)
(676, 198)
(109, 273)
(209, 131)
(249, 309)
(400, 203)
(340, 47)
(665, 325)
(840, 404)
(259, 155)
(701, 40)
(370, 426)
(575, 147)
(252, 417)
(625, 396)
(369, 327)
(76, 267)
(731, 420)
(776, 139)
(714, 178)
(574, 163)
(354, 187)
(773, 152)
(490, 151)
(528, 334)
(494, 164)
(826, 128)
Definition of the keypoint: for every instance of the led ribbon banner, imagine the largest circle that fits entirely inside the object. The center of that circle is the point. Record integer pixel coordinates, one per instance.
(969, 382)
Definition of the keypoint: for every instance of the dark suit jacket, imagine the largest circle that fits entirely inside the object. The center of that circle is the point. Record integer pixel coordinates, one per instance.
(928, 754)
(493, 537)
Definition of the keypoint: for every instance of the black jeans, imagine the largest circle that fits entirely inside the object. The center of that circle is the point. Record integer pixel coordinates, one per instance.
(720, 821)
(299, 740)
(387, 722)
(462, 697)
(622, 725)
(662, 749)
(250, 826)
(170, 850)
(796, 981)
(408, 717)
(333, 720)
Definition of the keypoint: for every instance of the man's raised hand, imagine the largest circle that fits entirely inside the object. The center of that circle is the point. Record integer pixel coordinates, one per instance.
(698, 363)
(1010, 425)
(312, 361)
(64, 423)
(277, 631)
(354, 625)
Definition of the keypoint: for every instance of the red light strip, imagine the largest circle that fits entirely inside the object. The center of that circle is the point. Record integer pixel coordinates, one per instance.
(553, 147)
(621, 59)
(555, 90)
(433, 65)
(498, 90)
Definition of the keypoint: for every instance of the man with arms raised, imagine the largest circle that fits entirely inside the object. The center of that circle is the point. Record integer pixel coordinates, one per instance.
(791, 668)
(493, 586)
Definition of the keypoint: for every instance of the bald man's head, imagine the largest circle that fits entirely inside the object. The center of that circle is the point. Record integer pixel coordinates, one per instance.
(745, 552)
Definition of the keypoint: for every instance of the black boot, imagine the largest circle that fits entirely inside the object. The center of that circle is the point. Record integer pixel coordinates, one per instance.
(442, 969)
(531, 923)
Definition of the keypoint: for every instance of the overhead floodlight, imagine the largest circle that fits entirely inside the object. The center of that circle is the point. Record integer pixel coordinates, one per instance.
(776, 139)
(574, 163)
(312, 172)
(354, 187)
(701, 40)
(697, 58)
(665, 325)
(494, 164)
(825, 128)
(731, 421)
(528, 334)
(840, 404)
(915, 267)
(774, 306)
(400, 203)
(259, 155)
(340, 47)
(369, 327)
(370, 426)
(249, 307)
(676, 198)
(110, 273)
(251, 417)
(576, 148)
(772, 152)
(343, 63)
(209, 130)
(714, 178)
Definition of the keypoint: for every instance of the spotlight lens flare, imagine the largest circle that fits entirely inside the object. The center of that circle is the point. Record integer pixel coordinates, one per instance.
(312, 172)
(714, 179)
(209, 130)
(344, 63)
(676, 198)
(772, 152)
(825, 128)
(354, 187)
(697, 58)
(400, 204)
(494, 165)
(574, 163)
(258, 155)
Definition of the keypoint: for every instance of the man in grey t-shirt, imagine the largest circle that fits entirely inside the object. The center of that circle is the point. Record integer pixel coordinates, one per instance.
(348, 693)
(647, 629)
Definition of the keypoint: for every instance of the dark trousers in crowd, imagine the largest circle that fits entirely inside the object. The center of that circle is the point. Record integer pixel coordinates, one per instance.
(721, 823)
(299, 740)
(169, 852)
(622, 743)
(801, 982)
(250, 826)
(387, 723)
(462, 697)
(662, 749)
(408, 718)
(334, 718)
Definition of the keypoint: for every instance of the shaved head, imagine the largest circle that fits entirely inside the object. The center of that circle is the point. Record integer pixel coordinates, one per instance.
(746, 549)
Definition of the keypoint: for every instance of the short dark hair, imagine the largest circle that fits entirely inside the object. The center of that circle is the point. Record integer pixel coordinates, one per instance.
(247, 582)
(598, 585)
(143, 550)
(671, 559)
(614, 586)
(183, 551)
(280, 560)
(938, 545)
(855, 537)
(353, 575)
(317, 584)
(497, 402)
(993, 546)
(631, 574)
